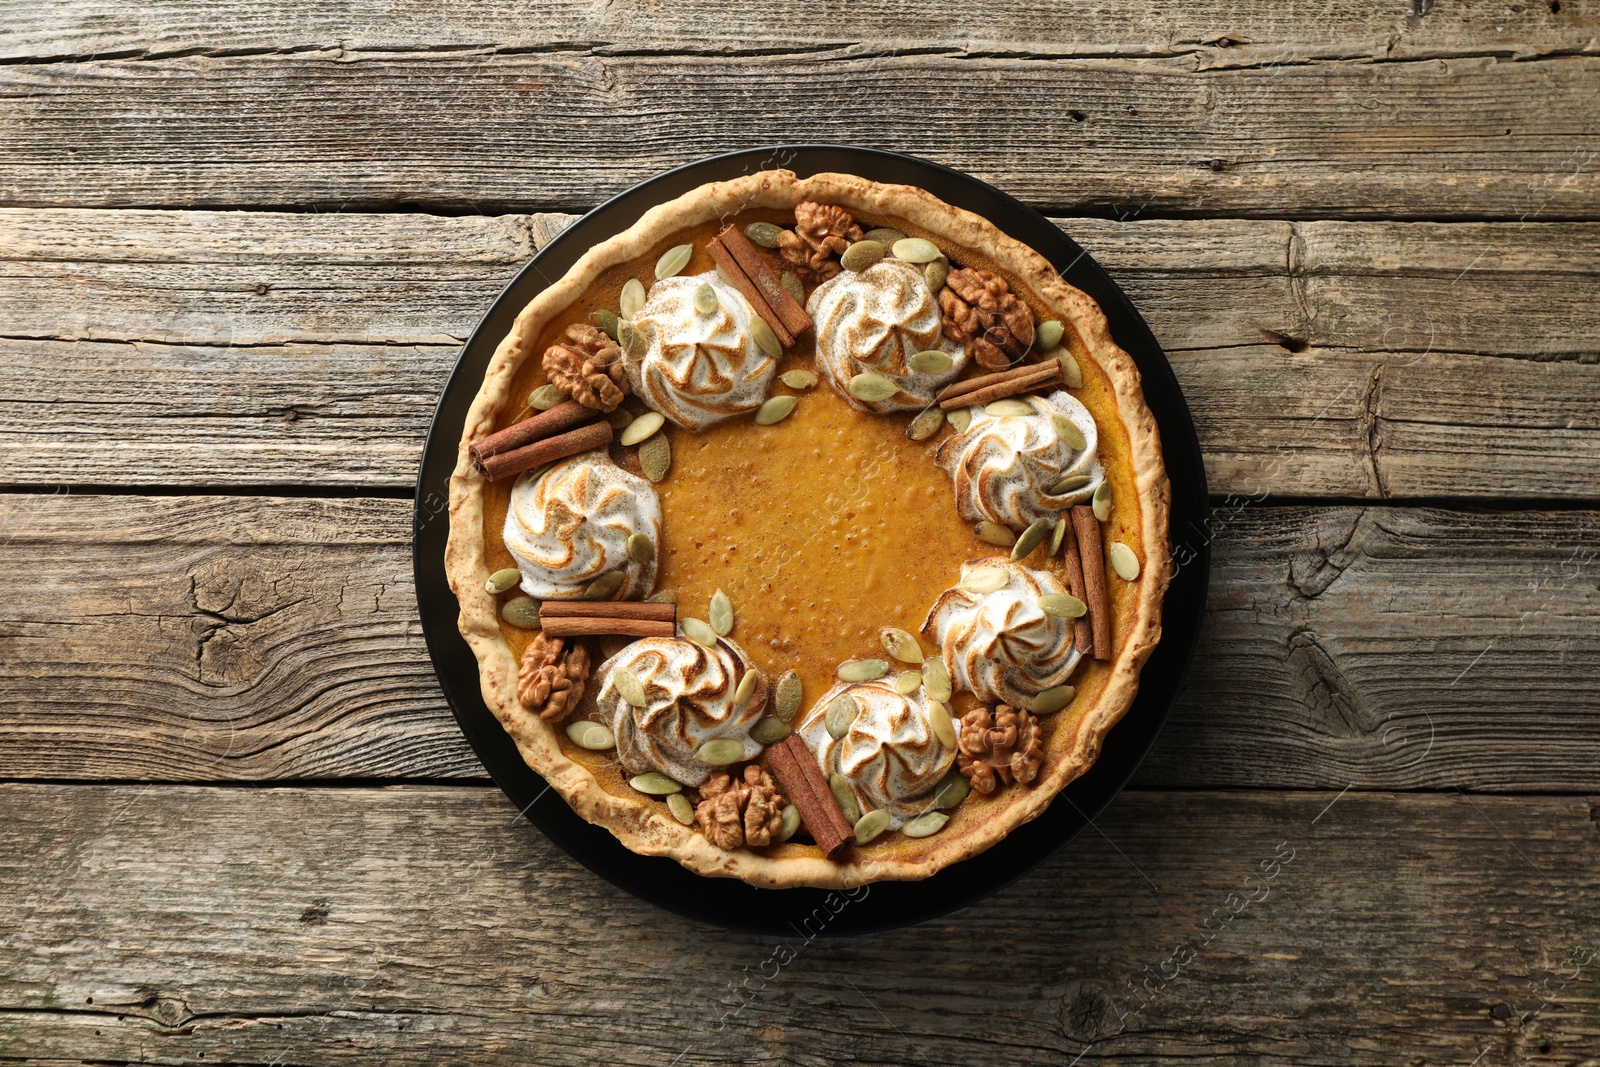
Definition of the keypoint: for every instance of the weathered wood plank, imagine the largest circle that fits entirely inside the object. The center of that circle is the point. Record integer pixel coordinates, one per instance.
(1215, 33)
(416, 925)
(1347, 359)
(484, 131)
(257, 638)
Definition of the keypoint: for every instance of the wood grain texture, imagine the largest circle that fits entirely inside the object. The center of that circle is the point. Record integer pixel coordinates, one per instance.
(256, 638)
(485, 131)
(419, 925)
(1211, 32)
(1329, 358)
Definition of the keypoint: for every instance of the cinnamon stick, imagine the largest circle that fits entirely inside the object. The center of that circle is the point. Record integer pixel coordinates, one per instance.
(967, 385)
(787, 308)
(608, 609)
(577, 625)
(564, 416)
(1037, 375)
(1082, 634)
(752, 292)
(792, 763)
(550, 449)
(1092, 557)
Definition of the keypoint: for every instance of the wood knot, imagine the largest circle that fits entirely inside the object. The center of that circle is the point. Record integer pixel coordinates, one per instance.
(316, 914)
(1087, 1013)
(261, 289)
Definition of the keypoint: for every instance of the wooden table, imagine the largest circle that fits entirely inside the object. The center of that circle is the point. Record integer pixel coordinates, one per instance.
(241, 245)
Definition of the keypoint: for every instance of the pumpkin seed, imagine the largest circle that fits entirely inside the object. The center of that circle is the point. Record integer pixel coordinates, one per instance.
(861, 255)
(870, 825)
(697, 631)
(916, 250)
(632, 298)
(981, 580)
(662, 596)
(619, 418)
(1069, 483)
(1031, 538)
(862, 670)
(944, 727)
(926, 424)
(884, 235)
(521, 612)
(747, 688)
(1124, 562)
(655, 456)
(502, 581)
(1102, 501)
(720, 752)
(774, 409)
(786, 698)
(1048, 335)
(1008, 406)
(841, 712)
(655, 783)
(1071, 375)
(642, 427)
(1069, 432)
(640, 548)
(961, 419)
(764, 234)
(629, 687)
(726, 278)
(951, 792)
(935, 273)
(545, 397)
(705, 298)
(871, 387)
(1063, 606)
(764, 338)
(931, 362)
(632, 340)
(791, 285)
(673, 260)
(935, 679)
(907, 682)
(798, 379)
(1053, 699)
(791, 823)
(606, 319)
(721, 613)
(1058, 537)
(681, 809)
(926, 824)
(590, 735)
(845, 797)
(900, 644)
(605, 586)
(994, 534)
(769, 730)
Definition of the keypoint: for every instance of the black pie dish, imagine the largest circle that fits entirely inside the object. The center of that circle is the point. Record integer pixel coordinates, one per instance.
(809, 912)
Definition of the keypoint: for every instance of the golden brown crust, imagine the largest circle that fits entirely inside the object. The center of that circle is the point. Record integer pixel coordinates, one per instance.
(644, 825)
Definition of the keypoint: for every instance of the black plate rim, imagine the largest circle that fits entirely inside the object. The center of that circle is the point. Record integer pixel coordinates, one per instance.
(884, 905)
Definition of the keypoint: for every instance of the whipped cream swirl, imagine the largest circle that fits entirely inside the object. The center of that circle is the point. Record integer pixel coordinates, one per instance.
(876, 320)
(698, 369)
(1004, 466)
(571, 524)
(890, 755)
(1001, 646)
(689, 692)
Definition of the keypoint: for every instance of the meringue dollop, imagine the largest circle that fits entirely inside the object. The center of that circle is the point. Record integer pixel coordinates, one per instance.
(890, 754)
(697, 368)
(1004, 466)
(689, 700)
(1002, 646)
(876, 320)
(571, 524)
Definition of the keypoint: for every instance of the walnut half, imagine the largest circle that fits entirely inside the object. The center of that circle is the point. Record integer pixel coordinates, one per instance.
(734, 812)
(1000, 746)
(821, 233)
(551, 676)
(982, 313)
(587, 366)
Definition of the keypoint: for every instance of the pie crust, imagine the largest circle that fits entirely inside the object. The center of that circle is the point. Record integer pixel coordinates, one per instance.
(642, 823)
